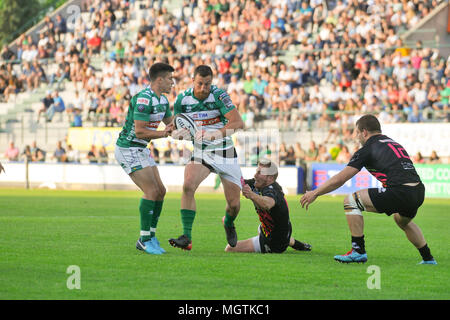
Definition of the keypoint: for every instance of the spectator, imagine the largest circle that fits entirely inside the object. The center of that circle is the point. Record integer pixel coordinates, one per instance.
(63, 69)
(103, 155)
(434, 158)
(12, 152)
(26, 154)
(300, 154)
(77, 118)
(418, 158)
(37, 153)
(46, 103)
(323, 155)
(60, 153)
(344, 155)
(94, 43)
(415, 115)
(154, 152)
(290, 158)
(40, 156)
(73, 155)
(93, 155)
(6, 54)
(312, 152)
(283, 153)
(334, 151)
(3, 86)
(57, 106)
(60, 27)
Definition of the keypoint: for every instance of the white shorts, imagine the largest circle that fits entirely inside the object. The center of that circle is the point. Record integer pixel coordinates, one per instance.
(134, 158)
(256, 243)
(227, 168)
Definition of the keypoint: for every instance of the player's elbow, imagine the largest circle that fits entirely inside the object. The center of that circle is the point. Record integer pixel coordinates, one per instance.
(240, 124)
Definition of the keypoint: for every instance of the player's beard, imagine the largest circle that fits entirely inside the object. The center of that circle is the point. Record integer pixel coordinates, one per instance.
(201, 95)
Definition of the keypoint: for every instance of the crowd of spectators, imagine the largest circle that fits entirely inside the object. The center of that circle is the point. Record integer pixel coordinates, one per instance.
(352, 59)
(180, 154)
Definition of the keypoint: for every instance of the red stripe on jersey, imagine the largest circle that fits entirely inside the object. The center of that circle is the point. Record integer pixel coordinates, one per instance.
(207, 122)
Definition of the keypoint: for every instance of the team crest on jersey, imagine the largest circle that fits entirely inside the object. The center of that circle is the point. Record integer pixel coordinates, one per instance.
(210, 106)
(143, 101)
(141, 108)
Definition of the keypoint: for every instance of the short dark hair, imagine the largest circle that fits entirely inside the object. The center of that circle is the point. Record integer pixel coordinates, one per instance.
(368, 122)
(157, 69)
(203, 70)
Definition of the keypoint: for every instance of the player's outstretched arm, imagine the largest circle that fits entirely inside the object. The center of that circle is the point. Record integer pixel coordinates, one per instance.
(330, 185)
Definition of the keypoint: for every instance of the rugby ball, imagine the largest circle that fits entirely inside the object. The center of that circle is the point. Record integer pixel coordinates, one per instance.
(183, 121)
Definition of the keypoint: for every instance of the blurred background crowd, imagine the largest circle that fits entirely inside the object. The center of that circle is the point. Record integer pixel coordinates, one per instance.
(302, 64)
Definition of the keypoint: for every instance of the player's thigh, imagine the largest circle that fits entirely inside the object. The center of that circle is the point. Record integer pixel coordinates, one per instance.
(242, 246)
(194, 174)
(364, 198)
(232, 192)
(145, 180)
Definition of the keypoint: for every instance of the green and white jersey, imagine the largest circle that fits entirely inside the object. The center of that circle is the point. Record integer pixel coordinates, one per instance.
(208, 114)
(145, 106)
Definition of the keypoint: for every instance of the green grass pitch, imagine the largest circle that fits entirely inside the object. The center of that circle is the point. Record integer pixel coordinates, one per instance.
(44, 232)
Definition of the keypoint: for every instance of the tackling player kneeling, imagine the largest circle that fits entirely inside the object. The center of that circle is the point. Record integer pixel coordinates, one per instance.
(275, 229)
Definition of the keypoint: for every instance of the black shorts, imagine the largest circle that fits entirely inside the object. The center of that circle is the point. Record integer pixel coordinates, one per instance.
(274, 245)
(404, 200)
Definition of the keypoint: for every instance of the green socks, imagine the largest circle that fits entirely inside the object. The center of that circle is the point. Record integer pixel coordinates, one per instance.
(156, 214)
(228, 220)
(187, 218)
(146, 208)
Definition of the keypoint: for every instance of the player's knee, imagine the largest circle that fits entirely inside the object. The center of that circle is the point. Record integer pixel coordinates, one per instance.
(234, 206)
(188, 188)
(402, 222)
(353, 204)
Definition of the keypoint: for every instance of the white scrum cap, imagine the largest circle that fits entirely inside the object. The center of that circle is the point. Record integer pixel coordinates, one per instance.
(268, 167)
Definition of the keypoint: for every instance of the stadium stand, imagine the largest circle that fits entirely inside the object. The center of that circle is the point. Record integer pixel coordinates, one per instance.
(309, 68)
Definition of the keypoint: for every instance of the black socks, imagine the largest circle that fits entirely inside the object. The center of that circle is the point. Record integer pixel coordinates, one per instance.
(358, 244)
(425, 253)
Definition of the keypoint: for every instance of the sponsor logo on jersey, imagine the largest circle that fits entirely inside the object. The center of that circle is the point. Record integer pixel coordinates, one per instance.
(143, 101)
(225, 98)
(200, 115)
(153, 125)
(207, 122)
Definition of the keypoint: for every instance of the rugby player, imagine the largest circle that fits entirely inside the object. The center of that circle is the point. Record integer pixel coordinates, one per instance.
(146, 110)
(274, 232)
(217, 118)
(401, 195)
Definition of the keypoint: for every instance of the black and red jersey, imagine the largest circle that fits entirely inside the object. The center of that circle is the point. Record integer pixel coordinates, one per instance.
(386, 160)
(275, 223)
